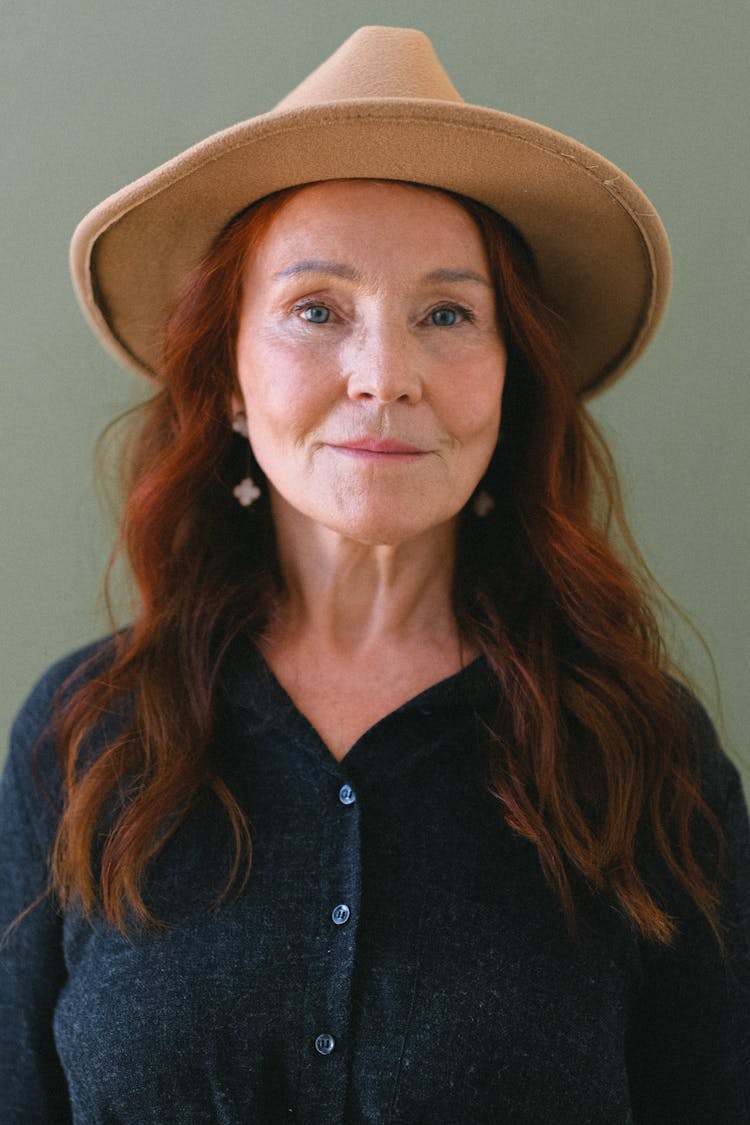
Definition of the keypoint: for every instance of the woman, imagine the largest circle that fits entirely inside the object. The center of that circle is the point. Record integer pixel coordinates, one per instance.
(387, 806)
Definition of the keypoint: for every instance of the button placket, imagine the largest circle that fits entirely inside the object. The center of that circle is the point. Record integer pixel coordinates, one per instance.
(328, 993)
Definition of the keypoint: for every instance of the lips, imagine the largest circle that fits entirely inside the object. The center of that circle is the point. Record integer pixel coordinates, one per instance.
(383, 446)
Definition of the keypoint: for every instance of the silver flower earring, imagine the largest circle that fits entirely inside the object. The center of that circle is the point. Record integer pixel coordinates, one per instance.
(247, 491)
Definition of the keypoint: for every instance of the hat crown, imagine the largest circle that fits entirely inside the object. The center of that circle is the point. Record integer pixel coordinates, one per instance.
(382, 107)
(376, 62)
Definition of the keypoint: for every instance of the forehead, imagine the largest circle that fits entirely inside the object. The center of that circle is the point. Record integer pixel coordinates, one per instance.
(382, 222)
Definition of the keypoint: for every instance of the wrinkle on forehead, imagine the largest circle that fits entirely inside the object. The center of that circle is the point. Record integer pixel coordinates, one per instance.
(340, 269)
(349, 229)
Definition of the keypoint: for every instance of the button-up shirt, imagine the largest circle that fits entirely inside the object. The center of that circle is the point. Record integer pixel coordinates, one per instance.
(396, 954)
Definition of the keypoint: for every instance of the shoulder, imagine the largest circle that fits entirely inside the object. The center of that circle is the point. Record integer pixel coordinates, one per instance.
(31, 768)
(66, 674)
(719, 777)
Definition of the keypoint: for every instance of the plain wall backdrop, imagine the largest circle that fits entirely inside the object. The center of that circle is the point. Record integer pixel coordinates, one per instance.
(97, 92)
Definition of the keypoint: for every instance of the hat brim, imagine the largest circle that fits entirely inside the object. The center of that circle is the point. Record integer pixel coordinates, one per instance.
(600, 247)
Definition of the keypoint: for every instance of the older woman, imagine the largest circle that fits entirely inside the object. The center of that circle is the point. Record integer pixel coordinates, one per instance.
(388, 805)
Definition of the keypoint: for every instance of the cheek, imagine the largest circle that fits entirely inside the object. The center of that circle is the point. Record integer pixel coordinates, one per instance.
(283, 391)
(475, 406)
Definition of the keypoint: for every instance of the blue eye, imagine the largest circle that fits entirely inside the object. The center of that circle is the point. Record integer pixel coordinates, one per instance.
(316, 314)
(445, 317)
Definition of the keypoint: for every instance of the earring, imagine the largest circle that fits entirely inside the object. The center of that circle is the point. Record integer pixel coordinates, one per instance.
(239, 423)
(247, 491)
(483, 504)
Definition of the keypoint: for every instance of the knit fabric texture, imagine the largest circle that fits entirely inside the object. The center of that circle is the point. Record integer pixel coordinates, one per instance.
(395, 957)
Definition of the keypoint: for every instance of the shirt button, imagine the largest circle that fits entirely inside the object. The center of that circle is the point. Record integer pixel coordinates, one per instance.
(340, 913)
(347, 795)
(324, 1044)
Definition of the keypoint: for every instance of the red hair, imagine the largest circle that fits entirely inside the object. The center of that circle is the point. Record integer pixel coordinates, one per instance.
(591, 737)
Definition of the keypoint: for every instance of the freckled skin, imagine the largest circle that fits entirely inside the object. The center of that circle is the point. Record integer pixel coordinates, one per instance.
(366, 344)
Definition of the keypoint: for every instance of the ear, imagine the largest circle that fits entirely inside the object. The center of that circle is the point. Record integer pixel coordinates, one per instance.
(237, 417)
(236, 406)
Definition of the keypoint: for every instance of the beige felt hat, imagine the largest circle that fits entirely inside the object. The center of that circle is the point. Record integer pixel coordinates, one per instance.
(383, 107)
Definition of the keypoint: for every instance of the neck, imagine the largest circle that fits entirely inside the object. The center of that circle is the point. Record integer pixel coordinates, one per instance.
(348, 596)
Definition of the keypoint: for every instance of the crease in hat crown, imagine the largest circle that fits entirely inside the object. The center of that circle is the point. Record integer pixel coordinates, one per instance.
(383, 107)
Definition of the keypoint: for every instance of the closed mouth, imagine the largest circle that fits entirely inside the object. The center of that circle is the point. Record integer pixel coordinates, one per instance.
(384, 447)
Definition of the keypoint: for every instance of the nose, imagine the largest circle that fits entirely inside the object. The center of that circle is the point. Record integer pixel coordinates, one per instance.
(382, 366)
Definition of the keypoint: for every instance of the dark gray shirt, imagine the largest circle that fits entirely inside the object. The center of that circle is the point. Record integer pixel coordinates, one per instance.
(396, 955)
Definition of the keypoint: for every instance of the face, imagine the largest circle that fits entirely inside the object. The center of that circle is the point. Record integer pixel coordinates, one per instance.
(370, 362)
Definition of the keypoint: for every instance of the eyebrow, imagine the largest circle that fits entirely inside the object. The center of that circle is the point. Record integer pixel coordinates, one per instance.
(316, 265)
(456, 275)
(338, 269)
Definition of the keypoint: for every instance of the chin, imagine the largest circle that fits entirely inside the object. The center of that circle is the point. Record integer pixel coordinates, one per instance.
(372, 520)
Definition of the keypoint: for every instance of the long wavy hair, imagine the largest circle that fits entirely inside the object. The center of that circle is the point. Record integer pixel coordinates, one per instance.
(590, 743)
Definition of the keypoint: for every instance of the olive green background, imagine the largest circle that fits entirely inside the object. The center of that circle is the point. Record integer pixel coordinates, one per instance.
(96, 93)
